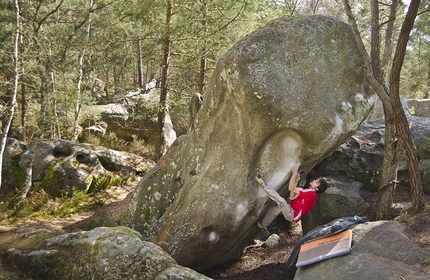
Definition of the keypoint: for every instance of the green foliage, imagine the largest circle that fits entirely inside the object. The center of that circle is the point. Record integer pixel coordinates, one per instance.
(102, 183)
(200, 31)
(111, 141)
(80, 201)
(39, 204)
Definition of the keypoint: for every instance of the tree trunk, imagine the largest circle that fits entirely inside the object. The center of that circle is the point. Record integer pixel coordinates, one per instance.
(203, 61)
(396, 122)
(28, 179)
(8, 119)
(163, 106)
(388, 46)
(78, 103)
(24, 105)
(57, 129)
(202, 75)
(418, 202)
(389, 169)
(391, 157)
(140, 63)
(43, 92)
(77, 111)
(375, 47)
(107, 73)
(427, 92)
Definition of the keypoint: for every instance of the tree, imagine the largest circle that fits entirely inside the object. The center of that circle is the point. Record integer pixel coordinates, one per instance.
(12, 103)
(163, 109)
(78, 103)
(396, 123)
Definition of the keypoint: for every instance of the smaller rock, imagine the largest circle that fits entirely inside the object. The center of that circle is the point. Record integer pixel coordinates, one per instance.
(272, 241)
(102, 253)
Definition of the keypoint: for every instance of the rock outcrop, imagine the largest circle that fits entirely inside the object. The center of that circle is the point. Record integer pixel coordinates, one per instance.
(59, 166)
(380, 250)
(290, 92)
(419, 107)
(102, 253)
(131, 116)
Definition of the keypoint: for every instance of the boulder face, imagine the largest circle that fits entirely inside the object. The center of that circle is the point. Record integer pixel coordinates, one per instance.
(102, 253)
(290, 92)
(373, 256)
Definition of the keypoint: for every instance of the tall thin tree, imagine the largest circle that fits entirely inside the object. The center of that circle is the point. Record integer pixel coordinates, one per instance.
(12, 103)
(396, 123)
(163, 109)
(78, 102)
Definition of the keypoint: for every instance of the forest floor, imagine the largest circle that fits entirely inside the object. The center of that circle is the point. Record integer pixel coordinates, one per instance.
(256, 261)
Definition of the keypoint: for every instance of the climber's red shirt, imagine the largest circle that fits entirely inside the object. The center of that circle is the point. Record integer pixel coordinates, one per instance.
(303, 203)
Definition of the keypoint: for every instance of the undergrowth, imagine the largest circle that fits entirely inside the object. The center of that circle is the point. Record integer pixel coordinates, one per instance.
(39, 204)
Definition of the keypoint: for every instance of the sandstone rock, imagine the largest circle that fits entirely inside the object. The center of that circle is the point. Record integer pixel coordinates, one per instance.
(419, 107)
(130, 116)
(290, 92)
(102, 253)
(272, 241)
(60, 165)
(12, 152)
(373, 256)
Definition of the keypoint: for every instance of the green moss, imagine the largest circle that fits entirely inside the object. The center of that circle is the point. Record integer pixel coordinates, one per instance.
(423, 148)
(52, 182)
(18, 173)
(58, 264)
(426, 262)
(125, 218)
(146, 214)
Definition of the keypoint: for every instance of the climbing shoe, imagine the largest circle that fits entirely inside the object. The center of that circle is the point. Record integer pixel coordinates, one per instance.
(260, 180)
(258, 224)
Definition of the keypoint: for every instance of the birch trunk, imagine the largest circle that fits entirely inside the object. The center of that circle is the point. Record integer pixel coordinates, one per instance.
(12, 103)
(162, 107)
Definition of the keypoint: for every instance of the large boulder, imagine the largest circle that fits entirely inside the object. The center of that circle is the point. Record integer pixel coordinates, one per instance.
(129, 117)
(374, 256)
(60, 166)
(290, 92)
(102, 253)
